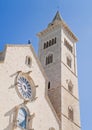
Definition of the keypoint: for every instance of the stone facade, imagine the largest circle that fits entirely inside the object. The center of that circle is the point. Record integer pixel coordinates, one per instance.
(62, 71)
(55, 105)
(14, 61)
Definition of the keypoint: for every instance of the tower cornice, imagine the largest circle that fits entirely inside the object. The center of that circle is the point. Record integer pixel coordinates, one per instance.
(57, 24)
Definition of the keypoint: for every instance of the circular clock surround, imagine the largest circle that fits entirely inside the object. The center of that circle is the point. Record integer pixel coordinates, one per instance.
(25, 86)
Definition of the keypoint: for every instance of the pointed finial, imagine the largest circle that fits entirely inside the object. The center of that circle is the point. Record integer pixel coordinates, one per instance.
(56, 18)
(58, 8)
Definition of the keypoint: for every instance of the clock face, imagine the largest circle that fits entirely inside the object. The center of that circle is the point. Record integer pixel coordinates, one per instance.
(24, 87)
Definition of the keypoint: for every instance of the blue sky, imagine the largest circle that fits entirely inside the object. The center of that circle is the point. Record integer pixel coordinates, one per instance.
(21, 20)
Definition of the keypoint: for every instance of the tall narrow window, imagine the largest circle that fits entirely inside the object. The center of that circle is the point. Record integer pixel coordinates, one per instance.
(50, 42)
(69, 62)
(55, 40)
(48, 85)
(70, 87)
(46, 60)
(70, 113)
(44, 45)
(67, 44)
(28, 60)
(47, 45)
(49, 59)
(22, 118)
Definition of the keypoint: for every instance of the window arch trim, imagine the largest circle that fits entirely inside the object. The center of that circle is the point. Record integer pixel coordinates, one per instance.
(69, 61)
(49, 58)
(70, 86)
(28, 61)
(70, 113)
(49, 43)
(24, 124)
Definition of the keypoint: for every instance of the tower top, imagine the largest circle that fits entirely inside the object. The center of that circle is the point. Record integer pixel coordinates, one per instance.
(57, 18)
(57, 21)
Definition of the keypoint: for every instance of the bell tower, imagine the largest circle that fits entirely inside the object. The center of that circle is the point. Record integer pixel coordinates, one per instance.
(57, 54)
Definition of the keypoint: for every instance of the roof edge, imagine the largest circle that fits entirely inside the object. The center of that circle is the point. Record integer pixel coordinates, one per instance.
(55, 25)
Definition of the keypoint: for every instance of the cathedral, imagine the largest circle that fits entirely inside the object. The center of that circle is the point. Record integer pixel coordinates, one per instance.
(41, 92)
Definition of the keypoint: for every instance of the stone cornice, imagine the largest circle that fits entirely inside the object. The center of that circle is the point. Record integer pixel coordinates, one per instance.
(76, 98)
(71, 121)
(57, 24)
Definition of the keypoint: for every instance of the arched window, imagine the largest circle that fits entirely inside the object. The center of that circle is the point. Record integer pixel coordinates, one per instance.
(70, 86)
(69, 61)
(47, 44)
(44, 45)
(28, 60)
(67, 44)
(49, 59)
(70, 113)
(53, 41)
(22, 118)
